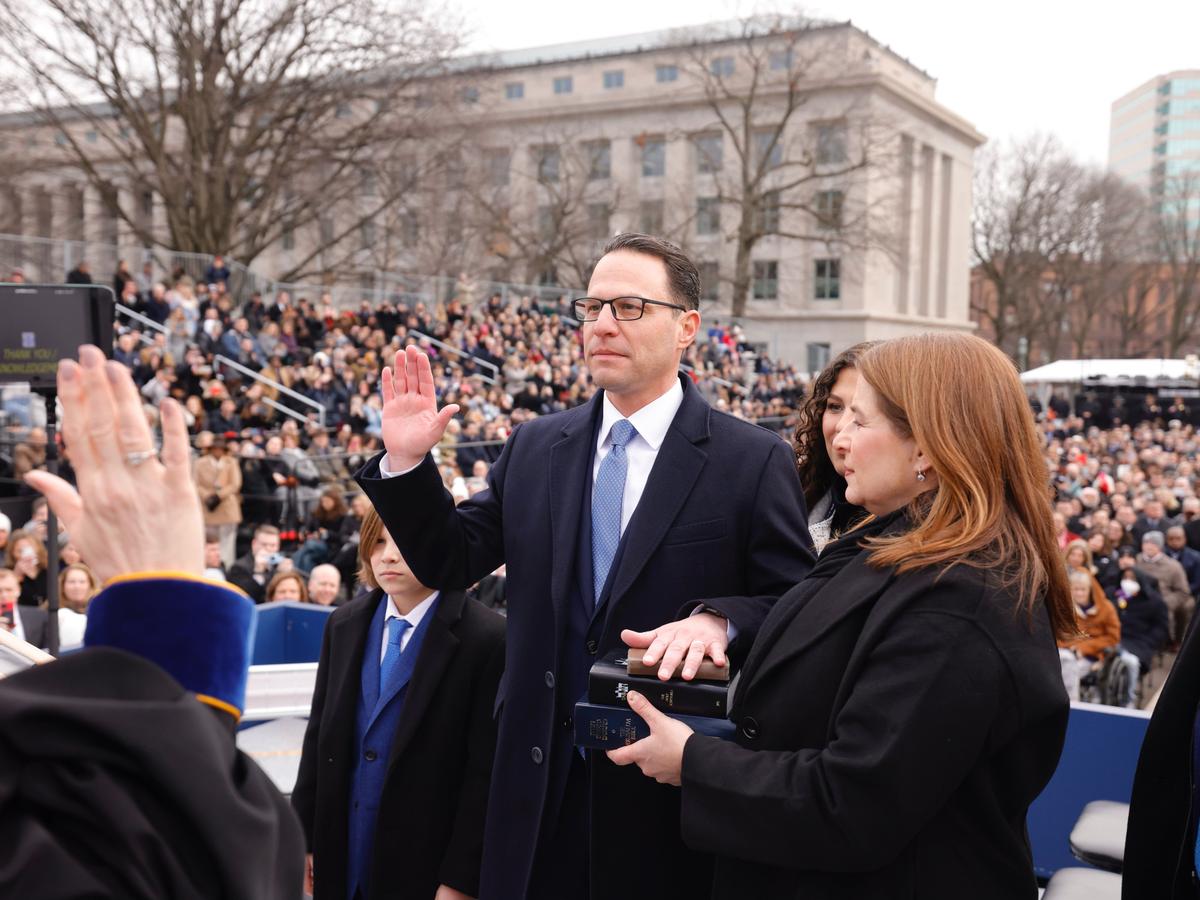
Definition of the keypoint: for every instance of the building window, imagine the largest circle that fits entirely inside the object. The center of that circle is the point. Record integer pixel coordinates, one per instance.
(766, 279)
(652, 217)
(721, 66)
(708, 215)
(545, 222)
(288, 235)
(831, 143)
(780, 60)
(367, 234)
(368, 183)
(564, 84)
(599, 159)
(410, 229)
(546, 159)
(497, 163)
(514, 90)
(709, 153)
(598, 214)
(470, 95)
(710, 281)
(342, 111)
(827, 284)
(654, 157)
(614, 79)
(666, 73)
(767, 217)
(829, 208)
(455, 171)
(768, 148)
(818, 358)
(91, 137)
(325, 229)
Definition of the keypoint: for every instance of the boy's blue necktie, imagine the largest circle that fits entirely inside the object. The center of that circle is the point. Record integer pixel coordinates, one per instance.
(391, 658)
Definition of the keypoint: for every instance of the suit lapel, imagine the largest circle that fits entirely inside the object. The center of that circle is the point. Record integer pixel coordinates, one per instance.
(350, 636)
(435, 654)
(675, 471)
(372, 664)
(569, 473)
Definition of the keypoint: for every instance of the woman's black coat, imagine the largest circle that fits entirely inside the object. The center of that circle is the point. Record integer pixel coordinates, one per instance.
(893, 730)
(1161, 839)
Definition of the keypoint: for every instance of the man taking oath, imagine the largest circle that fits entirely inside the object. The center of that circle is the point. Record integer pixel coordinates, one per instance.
(623, 513)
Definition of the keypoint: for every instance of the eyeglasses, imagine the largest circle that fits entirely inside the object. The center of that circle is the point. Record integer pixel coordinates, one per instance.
(624, 309)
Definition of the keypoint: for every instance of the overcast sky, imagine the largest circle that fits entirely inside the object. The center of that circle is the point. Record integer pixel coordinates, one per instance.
(1010, 68)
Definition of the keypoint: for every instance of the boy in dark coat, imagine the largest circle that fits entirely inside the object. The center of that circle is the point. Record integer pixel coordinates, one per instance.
(394, 776)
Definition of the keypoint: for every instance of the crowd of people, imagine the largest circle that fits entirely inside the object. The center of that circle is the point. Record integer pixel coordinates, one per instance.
(283, 513)
(892, 577)
(1127, 520)
(270, 479)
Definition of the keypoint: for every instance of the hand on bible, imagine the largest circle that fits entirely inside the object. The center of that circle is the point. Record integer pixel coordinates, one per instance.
(688, 641)
(412, 423)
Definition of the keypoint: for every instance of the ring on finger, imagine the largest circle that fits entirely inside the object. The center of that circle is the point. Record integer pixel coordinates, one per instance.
(137, 457)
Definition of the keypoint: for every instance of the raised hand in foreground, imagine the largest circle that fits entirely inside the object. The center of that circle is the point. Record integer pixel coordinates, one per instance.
(132, 512)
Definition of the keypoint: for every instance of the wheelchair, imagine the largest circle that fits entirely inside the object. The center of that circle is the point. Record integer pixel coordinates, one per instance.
(1109, 683)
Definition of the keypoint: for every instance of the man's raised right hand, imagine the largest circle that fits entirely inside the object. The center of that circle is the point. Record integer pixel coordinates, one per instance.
(412, 423)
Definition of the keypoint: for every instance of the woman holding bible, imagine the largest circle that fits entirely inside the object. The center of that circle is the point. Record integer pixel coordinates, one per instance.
(903, 705)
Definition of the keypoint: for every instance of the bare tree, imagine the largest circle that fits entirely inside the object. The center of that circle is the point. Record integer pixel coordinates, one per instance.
(1129, 307)
(1096, 279)
(788, 175)
(545, 218)
(1022, 223)
(248, 118)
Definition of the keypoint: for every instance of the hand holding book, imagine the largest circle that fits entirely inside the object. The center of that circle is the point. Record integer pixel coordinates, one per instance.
(659, 756)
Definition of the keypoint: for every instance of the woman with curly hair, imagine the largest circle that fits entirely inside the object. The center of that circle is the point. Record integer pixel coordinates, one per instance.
(821, 467)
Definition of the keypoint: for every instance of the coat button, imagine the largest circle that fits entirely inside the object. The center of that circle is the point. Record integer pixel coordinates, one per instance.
(749, 729)
(369, 756)
(592, 647)
(536, 755)
(549, 679)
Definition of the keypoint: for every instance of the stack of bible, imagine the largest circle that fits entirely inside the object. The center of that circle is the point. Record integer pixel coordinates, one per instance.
(603, 719)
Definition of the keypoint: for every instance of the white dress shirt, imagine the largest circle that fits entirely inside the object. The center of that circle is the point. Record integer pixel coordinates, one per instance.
(413, 618)
(652, 422)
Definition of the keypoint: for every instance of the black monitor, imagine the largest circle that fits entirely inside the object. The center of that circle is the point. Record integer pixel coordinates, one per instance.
(43, 323)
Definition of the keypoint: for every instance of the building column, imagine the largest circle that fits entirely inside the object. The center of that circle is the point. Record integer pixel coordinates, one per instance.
(158, 217)
(126, 237)
(62, 228)
(94, 216)
(904, 275)
(28, 198)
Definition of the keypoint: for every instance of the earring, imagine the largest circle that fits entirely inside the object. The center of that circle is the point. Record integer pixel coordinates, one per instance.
(920, 475)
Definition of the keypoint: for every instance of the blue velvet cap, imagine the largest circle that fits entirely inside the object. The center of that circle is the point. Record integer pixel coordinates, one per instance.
(201, 632)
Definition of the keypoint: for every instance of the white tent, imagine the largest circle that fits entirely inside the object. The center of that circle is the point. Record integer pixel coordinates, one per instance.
(1115, 372)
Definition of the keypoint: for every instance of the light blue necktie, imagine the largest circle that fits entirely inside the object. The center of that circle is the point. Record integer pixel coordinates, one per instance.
(391, 659)
(606, 505)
